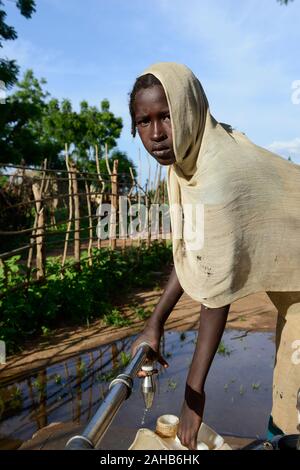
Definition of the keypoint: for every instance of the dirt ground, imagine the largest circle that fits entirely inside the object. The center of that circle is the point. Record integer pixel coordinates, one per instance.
(254, 312)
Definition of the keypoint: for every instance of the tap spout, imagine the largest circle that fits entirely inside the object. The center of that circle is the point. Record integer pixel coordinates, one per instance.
(148, 384)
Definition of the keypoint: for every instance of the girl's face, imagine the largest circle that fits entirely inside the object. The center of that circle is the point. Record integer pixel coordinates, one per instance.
(153, 123)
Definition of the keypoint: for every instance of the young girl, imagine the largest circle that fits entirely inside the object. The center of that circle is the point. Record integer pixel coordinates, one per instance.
(249, 211)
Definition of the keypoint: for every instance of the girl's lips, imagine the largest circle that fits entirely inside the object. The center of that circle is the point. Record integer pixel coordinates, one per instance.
(161, 153)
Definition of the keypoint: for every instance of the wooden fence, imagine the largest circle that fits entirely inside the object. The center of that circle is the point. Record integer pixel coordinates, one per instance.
(64, 208)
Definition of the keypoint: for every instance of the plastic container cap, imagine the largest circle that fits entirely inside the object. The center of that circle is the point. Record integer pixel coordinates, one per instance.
(166, 425)
(147, 368)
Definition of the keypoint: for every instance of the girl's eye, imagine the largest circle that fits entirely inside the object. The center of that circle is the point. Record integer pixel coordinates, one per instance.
(167, 117)
(143, 122)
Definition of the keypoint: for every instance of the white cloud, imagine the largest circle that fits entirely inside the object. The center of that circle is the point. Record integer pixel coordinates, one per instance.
(245, 58)
(290, 148)
(28, 55)
(47, 61)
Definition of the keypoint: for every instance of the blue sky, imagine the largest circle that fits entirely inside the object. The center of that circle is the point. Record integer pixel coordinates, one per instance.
(246, 54)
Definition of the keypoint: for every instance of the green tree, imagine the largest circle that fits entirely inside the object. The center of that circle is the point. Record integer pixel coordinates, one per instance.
(8, 68)
(22, 135)
(98, 127)
(82, 131)
(61, 124)
(34, 126)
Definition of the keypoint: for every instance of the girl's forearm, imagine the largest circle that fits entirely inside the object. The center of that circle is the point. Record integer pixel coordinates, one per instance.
(211, 327)
(170, 296)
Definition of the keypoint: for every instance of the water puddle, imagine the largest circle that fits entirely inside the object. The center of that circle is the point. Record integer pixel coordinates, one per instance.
(238, 390)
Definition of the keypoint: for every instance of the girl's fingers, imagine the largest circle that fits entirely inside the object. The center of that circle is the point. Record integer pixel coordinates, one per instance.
(162, 361)
(141, 374)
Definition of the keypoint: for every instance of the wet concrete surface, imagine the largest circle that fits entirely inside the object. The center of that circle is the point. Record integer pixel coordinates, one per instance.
(238, 391)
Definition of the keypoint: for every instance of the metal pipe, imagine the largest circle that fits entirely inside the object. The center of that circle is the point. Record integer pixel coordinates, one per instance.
(119, 390)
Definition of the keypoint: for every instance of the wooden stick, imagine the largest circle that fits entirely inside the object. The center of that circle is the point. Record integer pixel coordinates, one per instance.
(114, 206)
(106, 160)
(90, 225)
(31, 241)
(102, 186)
(33, 235)
(129, 196)
(40, 248)
(77, 215)
(70, 207)
(157, 192)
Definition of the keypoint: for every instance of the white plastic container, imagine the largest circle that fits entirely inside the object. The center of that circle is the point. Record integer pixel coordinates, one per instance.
(146, 439)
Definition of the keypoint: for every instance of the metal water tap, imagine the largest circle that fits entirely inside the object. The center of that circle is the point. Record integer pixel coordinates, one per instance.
(119, 390)
(148, 384)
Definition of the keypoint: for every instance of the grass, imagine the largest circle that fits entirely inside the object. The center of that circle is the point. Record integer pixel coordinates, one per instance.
(58, 379)
(115, 318)
(81, 368)
(76, 296)
(11, 401)
(172, 384)
(107, 376)
(256, 386)
(125, 358)
(141, 312)
(223, 350)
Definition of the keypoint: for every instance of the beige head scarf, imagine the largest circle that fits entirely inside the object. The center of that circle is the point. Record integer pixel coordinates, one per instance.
(250, 198)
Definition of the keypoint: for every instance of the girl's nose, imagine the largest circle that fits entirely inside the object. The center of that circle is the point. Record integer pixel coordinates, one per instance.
(157, 133)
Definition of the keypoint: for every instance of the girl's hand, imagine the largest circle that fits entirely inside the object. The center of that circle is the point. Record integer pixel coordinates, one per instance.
(191, 417)
(151, 335)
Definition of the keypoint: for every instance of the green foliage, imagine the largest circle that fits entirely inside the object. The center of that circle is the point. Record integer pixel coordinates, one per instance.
(35, 126)
(58, 379)
(256, 386)
(78, 296)
(81, 368)
(95, 127)
(45, 331)
(8, 68)
(108, 376)
(84, 131)
(125, 358)
(140, 312)
(115, 318)
(111, 374)
(11, 401)
(22, 131)
(172, 384)
(223, 350)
